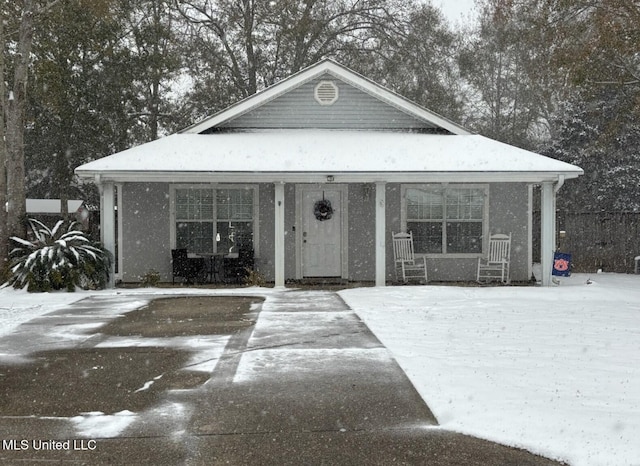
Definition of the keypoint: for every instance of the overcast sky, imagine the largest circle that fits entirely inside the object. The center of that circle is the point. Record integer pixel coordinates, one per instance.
(455, 10)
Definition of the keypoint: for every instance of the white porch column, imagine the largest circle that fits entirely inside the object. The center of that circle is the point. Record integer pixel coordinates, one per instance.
(381, 203)
(548, 231)
(279, 234)
(119, 229)
(108, 224)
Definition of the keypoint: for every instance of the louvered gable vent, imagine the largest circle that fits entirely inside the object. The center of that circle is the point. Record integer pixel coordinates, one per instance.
(326, 92)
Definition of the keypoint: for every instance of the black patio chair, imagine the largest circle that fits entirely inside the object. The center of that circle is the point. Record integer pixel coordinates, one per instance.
(191, 269)
(237, 269)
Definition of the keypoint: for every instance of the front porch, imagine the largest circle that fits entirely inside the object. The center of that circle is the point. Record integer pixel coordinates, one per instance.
(290, 244)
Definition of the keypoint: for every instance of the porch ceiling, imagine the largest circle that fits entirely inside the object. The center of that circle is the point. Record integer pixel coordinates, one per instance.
(310, 156)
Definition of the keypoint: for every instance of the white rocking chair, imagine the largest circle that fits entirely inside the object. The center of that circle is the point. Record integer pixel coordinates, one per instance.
(496, 265)
(406, 264)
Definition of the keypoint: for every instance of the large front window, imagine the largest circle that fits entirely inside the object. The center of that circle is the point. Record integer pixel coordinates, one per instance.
(446, 219)
(214, 219)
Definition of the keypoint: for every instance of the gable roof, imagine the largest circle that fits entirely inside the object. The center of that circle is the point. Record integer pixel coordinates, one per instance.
(202, 154)
(326, 66)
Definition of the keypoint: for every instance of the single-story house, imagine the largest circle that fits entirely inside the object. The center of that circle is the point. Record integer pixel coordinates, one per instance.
(259, 173)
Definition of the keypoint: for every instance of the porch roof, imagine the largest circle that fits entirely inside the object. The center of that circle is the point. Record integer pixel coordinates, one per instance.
(312, 155)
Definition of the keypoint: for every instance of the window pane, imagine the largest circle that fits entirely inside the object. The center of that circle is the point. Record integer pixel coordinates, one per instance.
(234, 236)
(194, 236)
(464, 237)
(235, 204)
(182, 203)
(465, 204)
(194, 204)
(427, 236)
(424, 204)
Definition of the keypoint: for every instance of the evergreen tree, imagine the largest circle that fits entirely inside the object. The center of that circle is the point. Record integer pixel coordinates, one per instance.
(600, 132)
(100, 72)
(76, 96)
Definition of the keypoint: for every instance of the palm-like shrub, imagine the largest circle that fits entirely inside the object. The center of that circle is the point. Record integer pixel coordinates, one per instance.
(56, 259)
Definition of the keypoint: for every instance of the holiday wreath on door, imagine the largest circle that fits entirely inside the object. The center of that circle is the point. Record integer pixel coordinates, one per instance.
(322, 209)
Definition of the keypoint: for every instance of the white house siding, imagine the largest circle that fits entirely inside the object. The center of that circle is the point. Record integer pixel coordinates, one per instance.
(354, 109)
(146, 230)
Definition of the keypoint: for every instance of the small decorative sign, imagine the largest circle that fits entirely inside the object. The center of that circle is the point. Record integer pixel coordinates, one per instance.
(561, 264)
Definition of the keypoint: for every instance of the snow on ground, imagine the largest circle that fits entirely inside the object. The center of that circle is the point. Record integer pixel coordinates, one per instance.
(282, 363)
(17, 307)
(553, 370)
(96, 424)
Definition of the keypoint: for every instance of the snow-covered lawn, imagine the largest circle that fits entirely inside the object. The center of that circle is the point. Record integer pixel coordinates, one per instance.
(553, 370)
(17, 307)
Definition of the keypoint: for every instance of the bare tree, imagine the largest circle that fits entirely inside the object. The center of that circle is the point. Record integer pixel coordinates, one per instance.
(512, 61)
(257, 43)
(14, 102)
(4, 232)
(15, 109)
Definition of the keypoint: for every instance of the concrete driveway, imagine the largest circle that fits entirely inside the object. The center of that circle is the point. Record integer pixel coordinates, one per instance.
(294, 379)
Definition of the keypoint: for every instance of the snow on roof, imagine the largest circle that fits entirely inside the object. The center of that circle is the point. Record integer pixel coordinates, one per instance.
(323, 152)
(51, 206)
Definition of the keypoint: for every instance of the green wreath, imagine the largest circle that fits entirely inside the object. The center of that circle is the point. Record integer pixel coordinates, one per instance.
(323, 210)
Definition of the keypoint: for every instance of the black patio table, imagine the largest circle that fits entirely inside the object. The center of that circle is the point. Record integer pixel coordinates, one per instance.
(214, 265)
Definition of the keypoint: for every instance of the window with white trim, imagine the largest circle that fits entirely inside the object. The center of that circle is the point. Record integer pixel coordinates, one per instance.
(446, 219)
(214, 219)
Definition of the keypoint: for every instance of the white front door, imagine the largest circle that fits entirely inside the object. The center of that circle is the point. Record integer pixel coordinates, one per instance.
(321, 236)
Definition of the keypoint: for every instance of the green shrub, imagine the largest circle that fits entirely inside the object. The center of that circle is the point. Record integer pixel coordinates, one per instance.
(150, 279)
(56, 259)
(254, 278)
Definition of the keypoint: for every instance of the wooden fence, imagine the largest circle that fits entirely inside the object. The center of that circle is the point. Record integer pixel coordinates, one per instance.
(596, 240)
